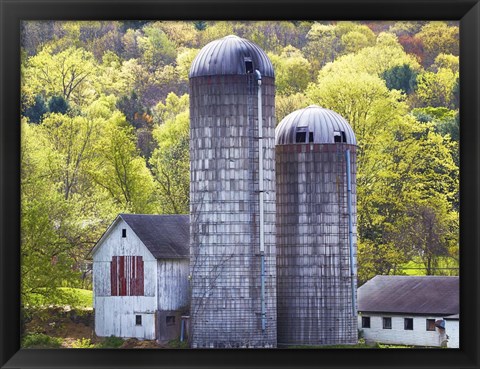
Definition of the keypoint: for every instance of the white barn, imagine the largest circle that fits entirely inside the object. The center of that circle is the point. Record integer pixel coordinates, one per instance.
(410, 310)
(140, 276)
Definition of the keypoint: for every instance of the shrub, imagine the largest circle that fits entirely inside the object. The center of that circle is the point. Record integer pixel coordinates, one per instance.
(42, 340)
(111, 342)
(83, 343)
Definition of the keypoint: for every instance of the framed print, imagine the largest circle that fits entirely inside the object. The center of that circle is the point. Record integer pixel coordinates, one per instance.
(239, 184)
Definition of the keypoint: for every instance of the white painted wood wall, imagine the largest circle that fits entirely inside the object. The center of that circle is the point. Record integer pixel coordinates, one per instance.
(165, 287)
(452, 328)
(419, 336)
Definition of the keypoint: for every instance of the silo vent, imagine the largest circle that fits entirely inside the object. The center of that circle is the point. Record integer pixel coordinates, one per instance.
(248, 65)
(301, 135)
(339, 136)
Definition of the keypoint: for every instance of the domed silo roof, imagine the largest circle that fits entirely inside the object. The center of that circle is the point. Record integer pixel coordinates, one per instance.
(230, 55)
(314, 124)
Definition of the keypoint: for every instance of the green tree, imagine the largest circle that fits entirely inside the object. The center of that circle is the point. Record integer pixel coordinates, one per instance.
(439, 38)
(437, 89)
(36, 112)
(170, 163)
(120, 170)
(292, 71)
(57, 104)
(46, 252)
(400, 77)
(67, 74)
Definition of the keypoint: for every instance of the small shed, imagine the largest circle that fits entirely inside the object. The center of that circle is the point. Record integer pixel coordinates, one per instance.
(410, 310)
(140, 276)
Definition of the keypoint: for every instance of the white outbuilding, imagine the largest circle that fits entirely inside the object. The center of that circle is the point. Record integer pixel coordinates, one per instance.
(140, 277)
(410, 310)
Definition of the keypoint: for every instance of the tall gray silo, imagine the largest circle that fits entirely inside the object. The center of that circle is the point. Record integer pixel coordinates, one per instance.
(316, 229)
(232, 196)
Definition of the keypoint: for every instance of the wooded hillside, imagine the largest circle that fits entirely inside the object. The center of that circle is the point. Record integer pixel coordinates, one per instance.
(105, 130)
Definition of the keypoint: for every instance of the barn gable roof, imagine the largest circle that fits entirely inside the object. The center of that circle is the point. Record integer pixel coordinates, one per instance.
(410, 295)
(165, 236)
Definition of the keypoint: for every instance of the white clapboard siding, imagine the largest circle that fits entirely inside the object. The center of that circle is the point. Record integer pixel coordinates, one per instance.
(419, 336)
(114, 245)
(115, 316)
(173, 288)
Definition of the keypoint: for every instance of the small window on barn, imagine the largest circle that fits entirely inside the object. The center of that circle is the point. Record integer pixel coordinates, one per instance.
(138, 320)
(365, 322)
(301, 136)
(124, 233)
(387, 323)
(408, 324)
(430, 324)
(248, 65)
(170, 320)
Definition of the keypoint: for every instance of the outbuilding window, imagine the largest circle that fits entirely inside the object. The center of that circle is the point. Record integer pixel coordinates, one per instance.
(387, 323)
(430, 324)
(170, 320)
(408, 324)
(126, 276)
(365, 322)
(124, 233)
(138, 320)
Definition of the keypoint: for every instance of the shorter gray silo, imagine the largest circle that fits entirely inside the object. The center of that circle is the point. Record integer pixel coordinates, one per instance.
(316, 229)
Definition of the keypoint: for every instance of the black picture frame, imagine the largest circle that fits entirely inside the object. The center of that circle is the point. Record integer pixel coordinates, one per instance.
(12, 12)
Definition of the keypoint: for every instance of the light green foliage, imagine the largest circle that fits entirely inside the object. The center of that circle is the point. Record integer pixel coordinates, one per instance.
(292, 71)
(286, 104)
(182, 34)
(184, 61)
(173, 106)
(373, 60)
(83, 343)
(120, 171)
(170, 162)
(68, 73)
(405, 28)
(46, 223)
(157, 49)
(437, 89)
(400, 164)
(323, 45)
(447, 61)
(123, 143)
(439, 38)
(216, 30)
(40, 340)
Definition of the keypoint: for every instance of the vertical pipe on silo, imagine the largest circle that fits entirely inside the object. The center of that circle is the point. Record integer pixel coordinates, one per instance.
(350, 229)
(261, 189)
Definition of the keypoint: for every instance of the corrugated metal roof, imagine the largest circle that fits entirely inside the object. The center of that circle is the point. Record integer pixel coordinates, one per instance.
(410, 295)
(227, 55)
(322, 122)
(166, 236)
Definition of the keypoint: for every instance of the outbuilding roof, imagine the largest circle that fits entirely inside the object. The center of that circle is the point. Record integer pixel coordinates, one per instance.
(165, 236)
(315, 125)
(433, 295)
(229, 55)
